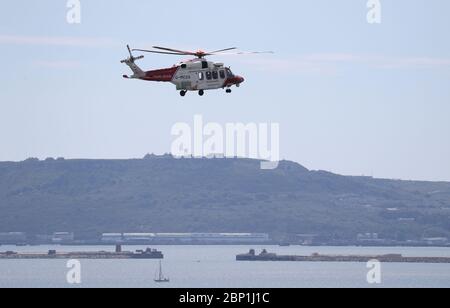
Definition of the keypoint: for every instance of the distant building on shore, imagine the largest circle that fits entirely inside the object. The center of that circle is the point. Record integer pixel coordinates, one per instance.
(370, 239)
(186, 238)
(436, 241)
(63, 237)
(306, 239)
(13, 237)
(112, 238)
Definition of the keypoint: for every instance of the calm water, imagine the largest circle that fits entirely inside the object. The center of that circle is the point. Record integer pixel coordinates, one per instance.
(215, 266)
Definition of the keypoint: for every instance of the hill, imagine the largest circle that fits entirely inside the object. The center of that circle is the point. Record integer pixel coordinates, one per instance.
(163, 194)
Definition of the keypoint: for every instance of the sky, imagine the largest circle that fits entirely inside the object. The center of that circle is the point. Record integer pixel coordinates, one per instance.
(351, 97)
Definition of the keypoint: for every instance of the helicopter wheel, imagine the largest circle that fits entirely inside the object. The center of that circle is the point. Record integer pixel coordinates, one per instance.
(228, 91)
(201, 92)
(183, 93)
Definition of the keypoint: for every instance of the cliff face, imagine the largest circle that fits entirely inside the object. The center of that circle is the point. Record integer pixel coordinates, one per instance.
(162, 194)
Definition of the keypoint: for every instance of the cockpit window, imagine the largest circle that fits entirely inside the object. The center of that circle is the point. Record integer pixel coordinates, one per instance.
(222, 74)
(230, 73)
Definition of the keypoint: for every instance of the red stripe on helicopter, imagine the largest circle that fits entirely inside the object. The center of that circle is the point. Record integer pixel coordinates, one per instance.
(165, 74)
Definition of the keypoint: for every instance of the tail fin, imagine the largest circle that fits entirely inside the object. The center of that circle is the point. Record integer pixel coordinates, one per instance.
(130, 62)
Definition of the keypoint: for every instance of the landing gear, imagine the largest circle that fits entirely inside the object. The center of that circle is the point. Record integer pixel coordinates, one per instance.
(201, 92)
(183, 93)
(228, 91)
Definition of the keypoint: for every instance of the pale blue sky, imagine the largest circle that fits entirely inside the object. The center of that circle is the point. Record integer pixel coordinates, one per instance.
(350, 97)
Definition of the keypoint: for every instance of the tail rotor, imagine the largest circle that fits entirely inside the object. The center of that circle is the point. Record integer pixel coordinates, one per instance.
(132, 58)
(129, 51)
(130, 62)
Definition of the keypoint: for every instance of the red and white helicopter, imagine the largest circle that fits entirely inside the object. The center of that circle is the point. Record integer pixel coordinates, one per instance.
(196, 74)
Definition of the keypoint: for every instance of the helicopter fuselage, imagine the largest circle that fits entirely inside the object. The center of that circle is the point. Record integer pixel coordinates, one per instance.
(193, 75)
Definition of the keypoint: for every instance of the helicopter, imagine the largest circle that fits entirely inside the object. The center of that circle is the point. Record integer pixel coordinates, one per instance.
(197, 74)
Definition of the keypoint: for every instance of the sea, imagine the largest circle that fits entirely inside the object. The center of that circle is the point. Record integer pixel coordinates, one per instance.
(216, 267)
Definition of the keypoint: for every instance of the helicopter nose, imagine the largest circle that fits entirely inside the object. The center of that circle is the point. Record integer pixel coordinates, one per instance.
(240, 79)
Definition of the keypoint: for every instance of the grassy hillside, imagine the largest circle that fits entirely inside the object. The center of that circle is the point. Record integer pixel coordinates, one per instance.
(162, 194)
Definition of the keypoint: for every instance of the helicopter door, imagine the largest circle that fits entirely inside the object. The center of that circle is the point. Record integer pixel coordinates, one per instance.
(201, 80)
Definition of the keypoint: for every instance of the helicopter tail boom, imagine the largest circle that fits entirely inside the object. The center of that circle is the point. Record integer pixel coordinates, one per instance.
(130, 62)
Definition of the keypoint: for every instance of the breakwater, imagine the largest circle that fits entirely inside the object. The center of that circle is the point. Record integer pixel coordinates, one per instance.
(389, 258)
(118, 254)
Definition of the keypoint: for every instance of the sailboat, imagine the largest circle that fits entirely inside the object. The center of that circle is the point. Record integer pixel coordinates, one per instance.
(161, 277)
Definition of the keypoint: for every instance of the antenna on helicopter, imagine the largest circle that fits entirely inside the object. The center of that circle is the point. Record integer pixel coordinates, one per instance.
(132, 58)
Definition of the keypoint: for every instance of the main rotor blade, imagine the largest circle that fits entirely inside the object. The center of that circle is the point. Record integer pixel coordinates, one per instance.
(246, 53)
(175, 50)
(255, 52)
(222, 50)
(162, 52)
